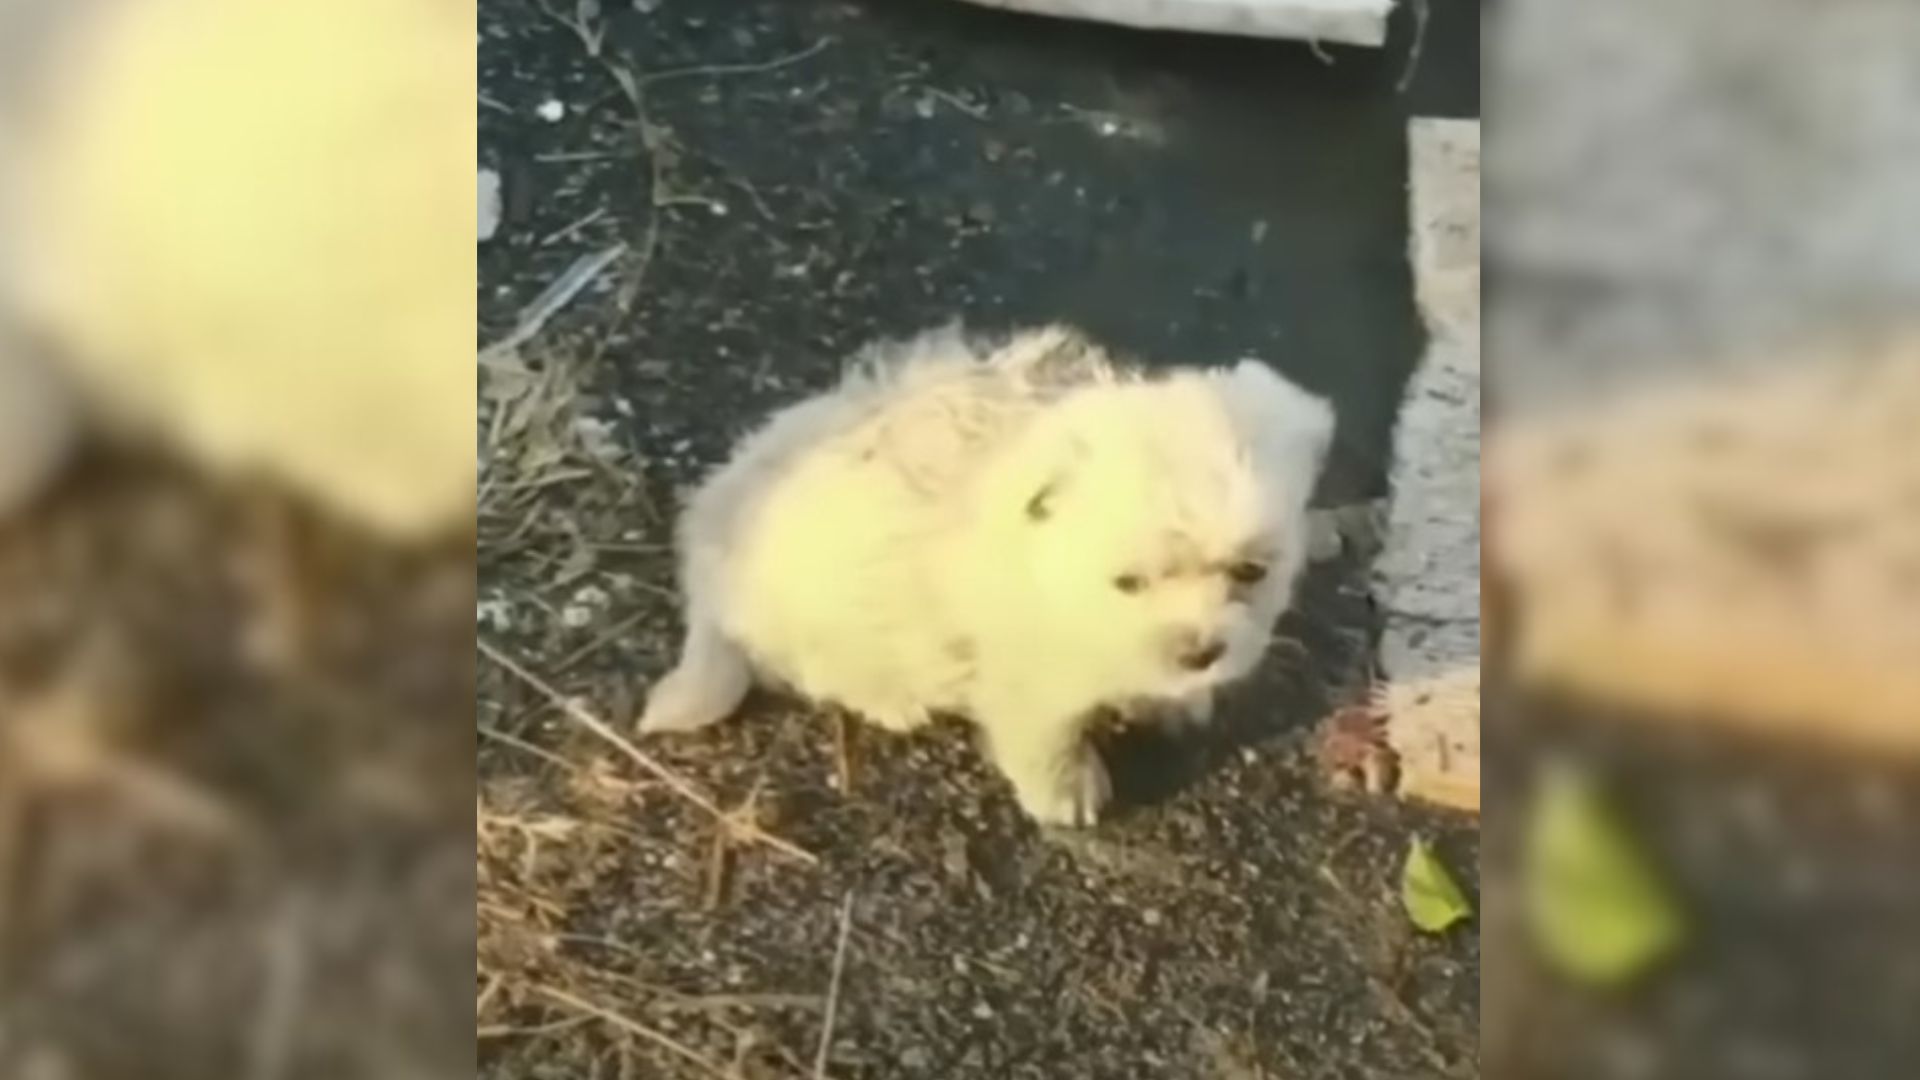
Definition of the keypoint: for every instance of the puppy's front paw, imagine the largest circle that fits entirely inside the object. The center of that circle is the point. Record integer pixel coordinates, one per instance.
(899, 719)
(1073, 796)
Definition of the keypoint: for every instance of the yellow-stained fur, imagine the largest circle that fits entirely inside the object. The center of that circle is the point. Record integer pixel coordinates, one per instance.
(1013, 531)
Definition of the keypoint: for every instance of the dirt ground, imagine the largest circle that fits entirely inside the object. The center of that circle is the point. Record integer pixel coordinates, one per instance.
(1795, 875)
(791, 180)
(233, 805)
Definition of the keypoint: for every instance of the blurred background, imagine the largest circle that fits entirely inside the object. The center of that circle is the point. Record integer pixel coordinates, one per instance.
(236, 555)
(1702, 502)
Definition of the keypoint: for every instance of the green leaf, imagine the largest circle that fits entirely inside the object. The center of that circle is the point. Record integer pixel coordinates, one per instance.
(1432, 899)
(1598, 912)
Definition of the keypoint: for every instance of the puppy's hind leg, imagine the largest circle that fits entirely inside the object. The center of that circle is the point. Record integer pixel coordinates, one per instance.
(710, 682)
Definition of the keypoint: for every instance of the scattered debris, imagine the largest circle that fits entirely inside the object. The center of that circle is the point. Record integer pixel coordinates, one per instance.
(1335, 530)
(571, 282)
(1353, 751)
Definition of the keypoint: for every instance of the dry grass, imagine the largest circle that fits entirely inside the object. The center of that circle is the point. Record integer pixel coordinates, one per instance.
(549, 471)
(561, 505)
(215, 710)
(567, 801)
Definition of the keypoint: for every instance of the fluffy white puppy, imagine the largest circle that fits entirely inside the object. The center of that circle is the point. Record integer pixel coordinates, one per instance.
(1017, 532)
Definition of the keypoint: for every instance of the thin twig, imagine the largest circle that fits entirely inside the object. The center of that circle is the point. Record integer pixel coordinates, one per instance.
(567, 156)
(568, 230)
(633, 549)
(833, 988)
(707, 202)
(591, 37)
(711, 1002)
(632, 1027)
(753, 194)
(736, 69)
(524, 746)
(1420, 15)
(599, 642)
(629, 85)
(494, 984)
(718, 856)
(502, 1031)
(571, 283)
(959, 105)
(674, 781)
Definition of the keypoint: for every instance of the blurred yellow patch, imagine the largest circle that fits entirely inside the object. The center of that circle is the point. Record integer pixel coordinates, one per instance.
(1597, 911)
(250, 223)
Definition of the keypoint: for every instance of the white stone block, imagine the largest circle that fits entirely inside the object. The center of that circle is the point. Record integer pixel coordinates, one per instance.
(1427, 577)
(1348, 22)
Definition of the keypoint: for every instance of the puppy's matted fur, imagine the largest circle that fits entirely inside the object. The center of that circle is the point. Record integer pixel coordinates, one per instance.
(1016, 531)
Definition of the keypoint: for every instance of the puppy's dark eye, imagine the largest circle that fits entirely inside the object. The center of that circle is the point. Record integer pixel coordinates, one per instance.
(1247, 573)
(1130, 583)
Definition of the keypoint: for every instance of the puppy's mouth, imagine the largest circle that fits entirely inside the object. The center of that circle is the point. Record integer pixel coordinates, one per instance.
(1180, 681)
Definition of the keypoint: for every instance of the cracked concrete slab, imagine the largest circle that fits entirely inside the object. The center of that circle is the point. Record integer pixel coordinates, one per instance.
(1428, 575)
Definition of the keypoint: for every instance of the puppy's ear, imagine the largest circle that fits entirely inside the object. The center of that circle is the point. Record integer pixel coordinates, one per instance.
(1277, 417)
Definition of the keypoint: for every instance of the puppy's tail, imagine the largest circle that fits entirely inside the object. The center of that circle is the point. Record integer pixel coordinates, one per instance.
(711, 681)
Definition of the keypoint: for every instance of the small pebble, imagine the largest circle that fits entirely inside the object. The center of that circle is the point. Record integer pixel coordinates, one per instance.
(495, 614)
(552, 110)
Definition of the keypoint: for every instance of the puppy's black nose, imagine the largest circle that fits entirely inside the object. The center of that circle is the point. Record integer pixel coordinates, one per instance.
(1201, 655)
